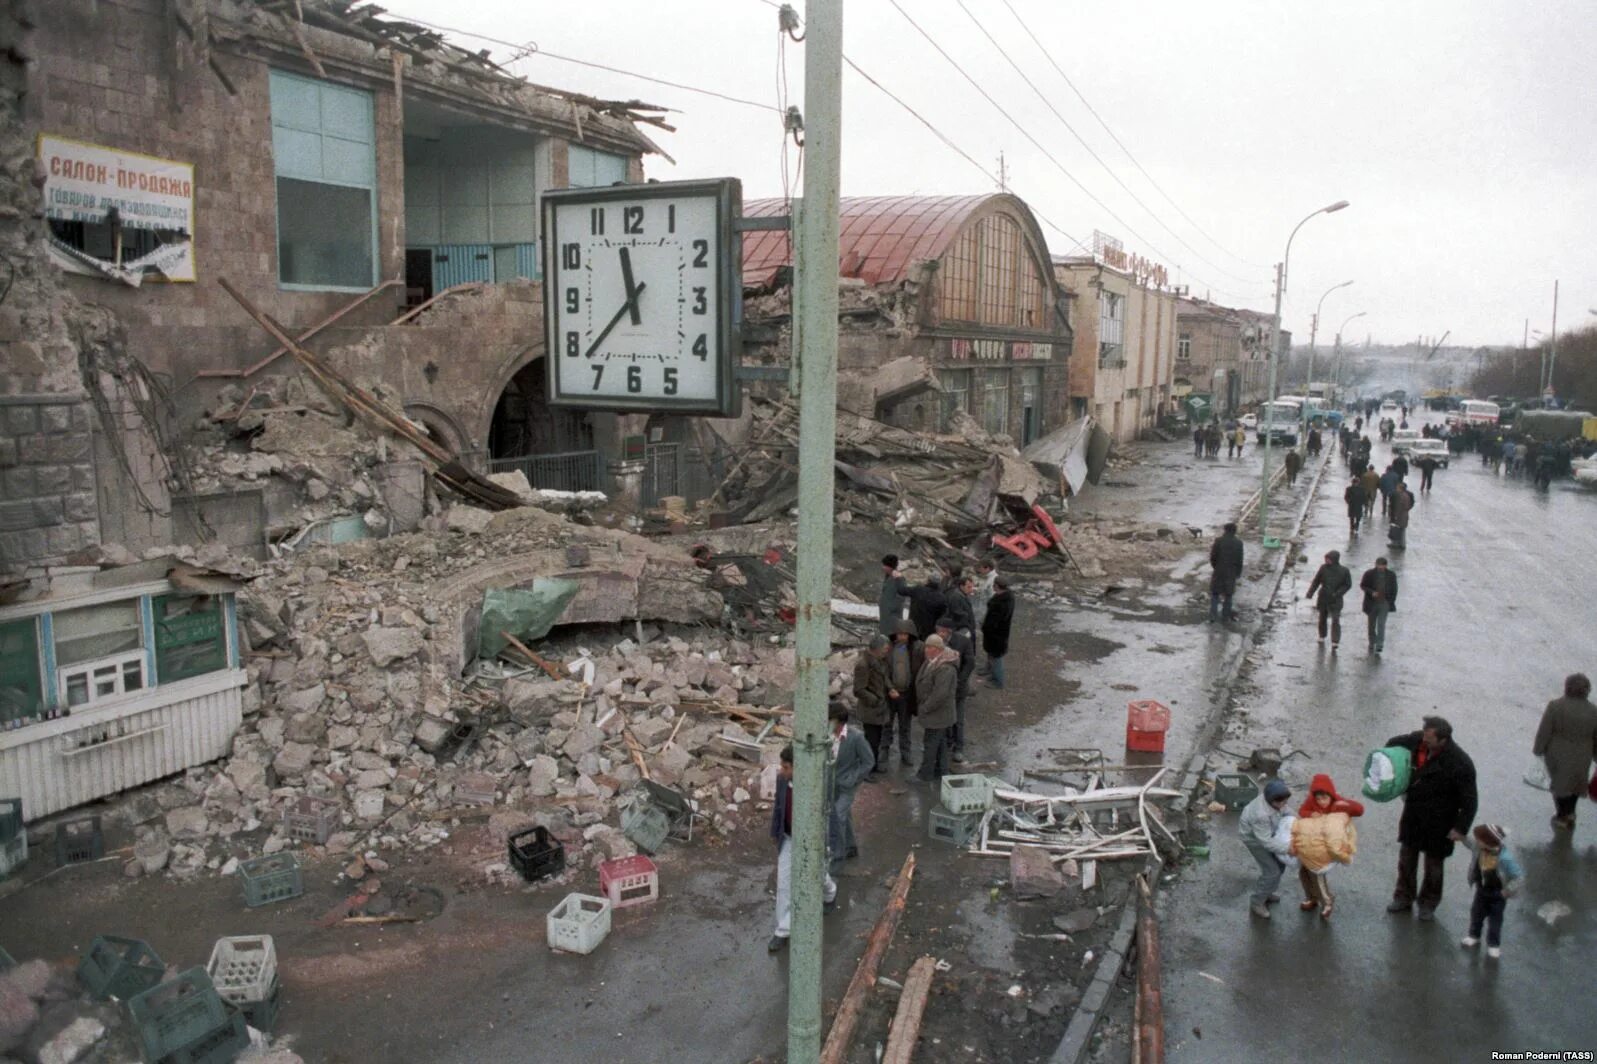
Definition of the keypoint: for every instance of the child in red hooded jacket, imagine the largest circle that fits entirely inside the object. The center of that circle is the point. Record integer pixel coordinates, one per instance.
(1322, 801)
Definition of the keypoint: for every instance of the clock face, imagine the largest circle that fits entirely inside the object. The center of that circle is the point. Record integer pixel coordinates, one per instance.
(635, 297)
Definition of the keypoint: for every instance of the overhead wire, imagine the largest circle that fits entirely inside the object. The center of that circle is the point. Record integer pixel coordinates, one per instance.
(1089, 149)
(1046, 153)
(1119, 143)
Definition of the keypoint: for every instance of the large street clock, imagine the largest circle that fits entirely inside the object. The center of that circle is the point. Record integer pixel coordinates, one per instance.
(641, 282)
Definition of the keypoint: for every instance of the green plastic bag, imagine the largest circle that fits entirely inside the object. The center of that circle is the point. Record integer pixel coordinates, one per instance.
(1387, 772)
(527, 613)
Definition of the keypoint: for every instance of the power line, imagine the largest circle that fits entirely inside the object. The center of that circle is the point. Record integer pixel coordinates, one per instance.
(1083, 142)
(1038, 145)
(1093, 111)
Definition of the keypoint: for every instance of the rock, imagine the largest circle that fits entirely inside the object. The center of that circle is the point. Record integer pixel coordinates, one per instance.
(535, 699)
(432, 733)
(152, 852)
(374, 779)
(1032, 874)
(368, 805)
(304, 701)
(1054, 997)
(18, 1014)
(651, 730)
(271, 730)
(30, 977)
(342, 737)
(365, 759)
(294, 760)
(306, 728)
(542, 774)
(1076, 922)
(739, 795)
(188, 823)
(583, 738)
(672, 760)
(388, 645)
(526, 746)
(248, 775)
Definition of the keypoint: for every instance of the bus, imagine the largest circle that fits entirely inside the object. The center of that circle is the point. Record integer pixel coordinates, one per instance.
(1481, 412)
(1279, 420)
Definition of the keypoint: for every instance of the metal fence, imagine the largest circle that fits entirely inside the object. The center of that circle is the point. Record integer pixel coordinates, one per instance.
(675, 469)
(570, 471)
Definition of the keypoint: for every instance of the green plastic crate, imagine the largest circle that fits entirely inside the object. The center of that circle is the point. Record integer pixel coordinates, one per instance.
(184, 1019)
(121, 968)
(956, 828)
(646, 825)
(1235, 789)
(273, 878)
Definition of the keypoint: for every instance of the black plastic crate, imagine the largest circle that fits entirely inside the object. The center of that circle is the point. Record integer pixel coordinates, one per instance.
(79, 841)
(10, 818)
(536, 854)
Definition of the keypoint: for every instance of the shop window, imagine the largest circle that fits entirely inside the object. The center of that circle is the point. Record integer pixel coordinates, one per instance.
(190, 636)
(956, 392)
(324, 151)
(99, 652)
(21, 684)
(995, 401)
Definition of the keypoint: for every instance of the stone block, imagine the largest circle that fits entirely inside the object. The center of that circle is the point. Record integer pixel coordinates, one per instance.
(8, 452)
(17, 516)
(190, 822)
(388, 645)
(82, 507)
(1032, 874)
(431, 734)
(68, 448)
(63, 539)
(294, 760)
(55, 419)
(74, 1041)
(21, 420)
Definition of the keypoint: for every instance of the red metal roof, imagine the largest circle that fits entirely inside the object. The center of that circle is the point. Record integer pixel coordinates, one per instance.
(879, 237)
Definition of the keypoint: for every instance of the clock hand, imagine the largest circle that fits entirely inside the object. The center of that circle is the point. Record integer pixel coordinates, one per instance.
(629, 305)
(632, 289)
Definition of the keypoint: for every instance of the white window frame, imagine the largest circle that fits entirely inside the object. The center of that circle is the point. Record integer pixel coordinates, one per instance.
(120, 666)
(1184, 347)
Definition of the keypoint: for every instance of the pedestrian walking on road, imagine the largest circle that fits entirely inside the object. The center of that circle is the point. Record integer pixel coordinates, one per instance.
(962, 642)
(1240, 434)
(936, 687)
(904, 660)
(1197, 442)
(1315, 443)
(1214, 440)
(1388, 482)
(1379, 585)
(1427, 466)
(782, 835)
(852, 764)
(995, 630)
(871, 684)
(1438, 809)
(1496, 877)
(1566, 740)
(1230, 441)
(1323, 836)
(1225, 557)
(1357, 502)
(1294, 462)
(1372, 488)
(895, 589)
(1401, 506)
(1259, 827)
(1328, 588)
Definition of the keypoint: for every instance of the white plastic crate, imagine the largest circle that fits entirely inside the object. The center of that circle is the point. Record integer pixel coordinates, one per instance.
(579, 923)
(243, 968)
(972, 793)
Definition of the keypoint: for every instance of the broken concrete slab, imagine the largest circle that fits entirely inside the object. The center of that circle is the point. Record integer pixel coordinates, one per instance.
(1032, 873)
(388, 645)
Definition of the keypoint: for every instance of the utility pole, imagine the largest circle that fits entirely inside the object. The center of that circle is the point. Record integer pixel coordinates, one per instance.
(1003, 174)
(1268, 420)
(815, 290)
(1552, 357)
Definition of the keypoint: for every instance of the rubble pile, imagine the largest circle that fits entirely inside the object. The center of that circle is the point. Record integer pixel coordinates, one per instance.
(363, 691)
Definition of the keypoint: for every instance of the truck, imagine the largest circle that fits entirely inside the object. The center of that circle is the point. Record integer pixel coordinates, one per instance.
(1279, 421)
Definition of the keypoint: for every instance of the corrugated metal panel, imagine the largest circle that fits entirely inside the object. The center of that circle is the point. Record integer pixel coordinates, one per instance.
(527, 264)
(459, 263)
(52, 772)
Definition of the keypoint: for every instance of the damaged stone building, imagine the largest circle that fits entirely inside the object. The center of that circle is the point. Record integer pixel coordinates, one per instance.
(370, 188)
(1124, 324)
(1220, 354)
(948, 309)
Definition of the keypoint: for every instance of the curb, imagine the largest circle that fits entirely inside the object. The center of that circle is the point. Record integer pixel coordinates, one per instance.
(1078, 1034)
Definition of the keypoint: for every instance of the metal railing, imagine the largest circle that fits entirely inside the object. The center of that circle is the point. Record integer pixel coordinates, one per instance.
(568, 471)
(676, 469)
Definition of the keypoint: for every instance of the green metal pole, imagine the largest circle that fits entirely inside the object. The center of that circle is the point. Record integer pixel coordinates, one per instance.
(815, 291)
(1268, 420)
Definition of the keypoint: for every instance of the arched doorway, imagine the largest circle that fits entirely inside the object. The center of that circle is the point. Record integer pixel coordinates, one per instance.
(553, 448)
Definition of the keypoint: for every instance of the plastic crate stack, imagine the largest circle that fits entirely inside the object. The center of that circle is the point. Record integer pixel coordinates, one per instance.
(185, 1021)
(13, 839)
(243, 969)
(965, 798)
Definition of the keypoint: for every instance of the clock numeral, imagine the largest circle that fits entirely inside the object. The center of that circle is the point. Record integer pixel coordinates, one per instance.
(700, 301)
(571, 256)
(701, 256)
(701, 347)
(671, 381)
(634, 378)
(573, 345)
(596, 221)
(671, 218)
(632, 220)
(598, 375)
(573, 300)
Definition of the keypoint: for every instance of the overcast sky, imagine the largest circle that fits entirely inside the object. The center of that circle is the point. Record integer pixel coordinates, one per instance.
(1463, 133)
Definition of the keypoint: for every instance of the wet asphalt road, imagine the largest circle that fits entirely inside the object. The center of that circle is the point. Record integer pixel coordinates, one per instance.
(1494, 610)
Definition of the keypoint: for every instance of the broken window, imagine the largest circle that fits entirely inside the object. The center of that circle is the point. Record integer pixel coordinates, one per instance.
(324, 150)
(586, 168)
(956, 391)
(21, 685)
(190, 636)
(1111, 323)
(995, 401)
(99, 651)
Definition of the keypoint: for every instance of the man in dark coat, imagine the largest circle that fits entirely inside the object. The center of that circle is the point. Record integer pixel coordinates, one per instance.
(904, 659)
(1332, 583)
(935, 690)
(1225, 556)
(1379, 585)
(1438, 809)
(1401, 506)
(871, 684)
(962, 642)
(1197, 442)
(1427, 464)
(927, 603)
(1294, 462)
(1567, 741)
(995, 629)
(895, 589)
(1356, 503)
(957, 603)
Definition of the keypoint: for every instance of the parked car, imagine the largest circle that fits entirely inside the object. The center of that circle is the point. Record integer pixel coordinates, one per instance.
(1404, 439)
(1420, 448)
(1249, 422)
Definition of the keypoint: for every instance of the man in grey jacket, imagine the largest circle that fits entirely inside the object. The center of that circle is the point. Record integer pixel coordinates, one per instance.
(935, 687)
(1258, 827)
(852, 761)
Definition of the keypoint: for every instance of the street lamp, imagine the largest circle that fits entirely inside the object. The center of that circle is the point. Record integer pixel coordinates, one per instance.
(1275, 333)
(1314, 329)
(1339, 329)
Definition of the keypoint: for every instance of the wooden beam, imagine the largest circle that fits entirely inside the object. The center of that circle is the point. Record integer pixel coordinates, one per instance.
(905, 1031)
(1150, 1001)
(530, 656)
(841, 1035)
(250, 371)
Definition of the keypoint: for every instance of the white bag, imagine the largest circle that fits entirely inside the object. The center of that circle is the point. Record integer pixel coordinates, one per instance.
(1537, 776)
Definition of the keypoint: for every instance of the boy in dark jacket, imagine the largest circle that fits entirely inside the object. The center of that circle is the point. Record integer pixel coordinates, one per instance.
(1496, 877)
(782, 835)
(852, 763)
(1331, 584)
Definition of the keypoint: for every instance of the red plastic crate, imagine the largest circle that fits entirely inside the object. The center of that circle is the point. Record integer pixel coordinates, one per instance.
(629, 881)
(1146, 724)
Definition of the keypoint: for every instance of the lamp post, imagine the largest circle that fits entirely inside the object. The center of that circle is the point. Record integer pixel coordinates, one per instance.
(1275, 332)
(1339, 329)
(1314, 329)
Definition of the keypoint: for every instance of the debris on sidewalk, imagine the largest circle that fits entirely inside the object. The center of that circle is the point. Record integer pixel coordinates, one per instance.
(1097, 823)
